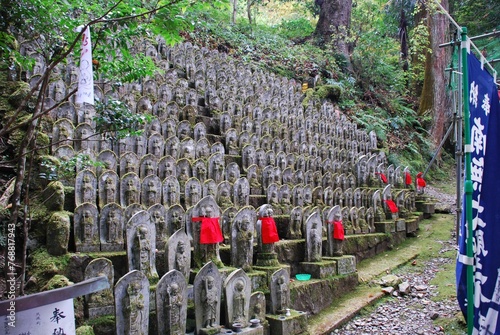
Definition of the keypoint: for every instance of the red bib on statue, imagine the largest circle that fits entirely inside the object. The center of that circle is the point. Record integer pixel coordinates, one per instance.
(210, 232)
(392, 206)
(268, 230)
(408, 180)
(382, 177)
(338, 230)
(421, 182)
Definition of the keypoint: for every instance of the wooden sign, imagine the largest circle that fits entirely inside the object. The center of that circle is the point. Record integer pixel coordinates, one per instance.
(49, 313)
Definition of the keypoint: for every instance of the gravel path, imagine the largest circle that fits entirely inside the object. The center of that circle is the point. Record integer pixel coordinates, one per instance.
(413, 312)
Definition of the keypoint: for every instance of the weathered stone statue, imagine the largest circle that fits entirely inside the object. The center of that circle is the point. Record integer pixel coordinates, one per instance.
(280, 293)
(224, 195)
(314, 238)
(207, 297)
(132, 304)
(192, 192)
(206, 231)
(158, 215)
(108, 190)
(237, 288)
(101, 302)
(111, 227)
(241, 192)
(171, 191)
(86, 187)
(151, 191)
(86, 228)
(258, 306)
(210, 299)
(242, 238)
(353, 215)
(266, 228)
(335, 232)
(296, 223)
(363, 225)
(171, 303)
(390, 207)
(130, 189)
(141, 244)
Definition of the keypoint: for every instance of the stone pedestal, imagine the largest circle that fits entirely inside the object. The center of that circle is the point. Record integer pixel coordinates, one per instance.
(425, 206)
(294, 324)
(385, 227)
(210, 331)
(259, 280)
(400, 225)
(320, 270)
(269, 270)
(345, 264)
(269, 259)
(412, 226)
(259, 330)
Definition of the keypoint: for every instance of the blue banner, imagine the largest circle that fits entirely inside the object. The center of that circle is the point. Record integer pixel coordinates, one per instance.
(485, 167)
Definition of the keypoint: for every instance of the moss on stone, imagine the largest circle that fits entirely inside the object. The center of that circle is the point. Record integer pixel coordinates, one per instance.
(309, 93)
(330, 92)
(85, 330)
(53, 196)
(58, 231)
(103, 320)
(44, 266)
(57, 281)
(20, 91)
(103, 325)
(42, 143)
(323, 92)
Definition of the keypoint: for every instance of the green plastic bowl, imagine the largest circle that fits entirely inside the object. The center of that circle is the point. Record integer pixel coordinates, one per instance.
(303, 276)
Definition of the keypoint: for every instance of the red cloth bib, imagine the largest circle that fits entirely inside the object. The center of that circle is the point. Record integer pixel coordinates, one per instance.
(408, 178)
(421, 182)
(382, 177)
(338, 230)
(210, 232)
(268, 231)
(392, 206)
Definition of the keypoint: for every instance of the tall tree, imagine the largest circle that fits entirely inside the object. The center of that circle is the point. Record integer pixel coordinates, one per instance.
(333, 25)
(433, 98)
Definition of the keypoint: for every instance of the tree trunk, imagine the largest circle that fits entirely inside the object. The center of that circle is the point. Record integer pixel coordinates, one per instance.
(250, 3)
(235, 9)
(334, 23)
(434, 98)
(403, 39)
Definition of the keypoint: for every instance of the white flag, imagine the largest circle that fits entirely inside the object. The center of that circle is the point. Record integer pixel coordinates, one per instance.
(85, 91)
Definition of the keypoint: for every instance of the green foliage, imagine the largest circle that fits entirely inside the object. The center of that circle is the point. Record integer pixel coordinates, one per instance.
(419, 48)
(45, 266)
(264, 47)
(114, 26)
(373, 120)
(377, 63)
(127, 68)
(478, 16)
(85, 330)
(115, 120)
(296, 28)
(53, 169)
